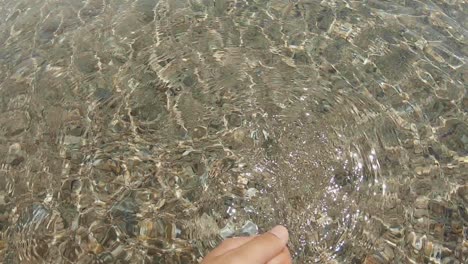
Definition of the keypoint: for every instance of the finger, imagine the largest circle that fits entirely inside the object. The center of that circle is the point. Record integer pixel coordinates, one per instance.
(283, 258)
(228, 245)
(262, 248)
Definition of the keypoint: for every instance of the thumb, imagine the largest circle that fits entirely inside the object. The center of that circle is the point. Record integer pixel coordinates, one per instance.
(262, 248)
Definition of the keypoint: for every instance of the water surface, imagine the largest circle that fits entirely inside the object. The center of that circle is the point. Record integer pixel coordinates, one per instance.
(147, 131)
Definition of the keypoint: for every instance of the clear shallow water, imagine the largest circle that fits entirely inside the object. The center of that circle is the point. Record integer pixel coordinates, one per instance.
(145, 131)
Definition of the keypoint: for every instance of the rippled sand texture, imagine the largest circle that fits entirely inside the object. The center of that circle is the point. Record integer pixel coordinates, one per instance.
(144, 131)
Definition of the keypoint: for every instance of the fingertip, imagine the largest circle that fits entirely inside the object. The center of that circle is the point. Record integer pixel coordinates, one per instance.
(263, 248)
(280, 232)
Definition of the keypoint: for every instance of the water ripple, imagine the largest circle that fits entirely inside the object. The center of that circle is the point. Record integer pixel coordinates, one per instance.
(147, 131)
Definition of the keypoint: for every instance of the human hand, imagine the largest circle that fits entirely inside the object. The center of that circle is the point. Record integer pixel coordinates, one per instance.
(268, 248)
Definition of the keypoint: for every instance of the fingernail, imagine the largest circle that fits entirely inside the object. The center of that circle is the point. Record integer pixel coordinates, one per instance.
(280, 232)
